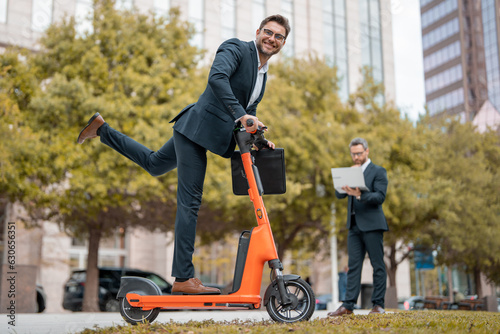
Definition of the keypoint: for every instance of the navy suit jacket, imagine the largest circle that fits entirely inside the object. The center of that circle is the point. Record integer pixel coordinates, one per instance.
(368, 211)
(210, 121)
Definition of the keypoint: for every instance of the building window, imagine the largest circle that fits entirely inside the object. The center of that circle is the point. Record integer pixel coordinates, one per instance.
(228, 18)
(443, 79)
(371, 37)
(3, 11)
(442, 56)
(446, 101)
(425, 2)
(258, 12)
(196, 11)
(441, 33)
(287, 11)
(438, 12)
(83, 16)
(335, 40)
(41, 15)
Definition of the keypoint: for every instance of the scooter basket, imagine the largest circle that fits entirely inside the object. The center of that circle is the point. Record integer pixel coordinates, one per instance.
(271, 166)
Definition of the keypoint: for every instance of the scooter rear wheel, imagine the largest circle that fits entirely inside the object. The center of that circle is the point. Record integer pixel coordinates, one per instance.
(301, 308)
(134, 315)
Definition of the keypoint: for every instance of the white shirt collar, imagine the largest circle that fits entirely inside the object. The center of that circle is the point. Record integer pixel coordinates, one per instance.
(367, 162)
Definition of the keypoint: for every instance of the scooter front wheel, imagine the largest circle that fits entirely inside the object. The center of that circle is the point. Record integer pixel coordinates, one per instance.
(134, 315)
(300, 309)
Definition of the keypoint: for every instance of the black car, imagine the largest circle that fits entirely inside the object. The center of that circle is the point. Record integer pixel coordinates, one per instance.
(109, 284)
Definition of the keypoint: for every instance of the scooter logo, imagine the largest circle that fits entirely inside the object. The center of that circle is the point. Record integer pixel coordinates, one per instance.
(259, 213)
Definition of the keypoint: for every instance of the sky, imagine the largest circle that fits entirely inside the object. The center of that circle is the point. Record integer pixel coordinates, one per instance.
(408, 62)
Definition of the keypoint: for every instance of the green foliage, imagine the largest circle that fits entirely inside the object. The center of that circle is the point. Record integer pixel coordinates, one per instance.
(20, 149)
(399, 322)
(467, 232)
(135, 70)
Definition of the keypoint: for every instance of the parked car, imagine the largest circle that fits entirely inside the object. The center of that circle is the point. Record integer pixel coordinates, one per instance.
(412, 303)
(41, 299)
(109, 284)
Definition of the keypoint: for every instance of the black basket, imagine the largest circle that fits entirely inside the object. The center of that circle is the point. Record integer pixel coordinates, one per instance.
(271, 166)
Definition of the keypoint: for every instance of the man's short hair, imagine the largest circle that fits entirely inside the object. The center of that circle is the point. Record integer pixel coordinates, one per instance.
(359, 141)
(280, 19)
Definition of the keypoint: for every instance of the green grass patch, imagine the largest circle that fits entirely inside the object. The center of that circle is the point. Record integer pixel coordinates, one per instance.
(398, 322)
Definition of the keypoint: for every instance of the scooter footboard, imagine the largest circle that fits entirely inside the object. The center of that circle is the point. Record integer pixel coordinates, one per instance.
(141, 286)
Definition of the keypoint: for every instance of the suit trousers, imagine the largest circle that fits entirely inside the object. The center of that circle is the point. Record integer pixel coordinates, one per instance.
(358, 244)
(190, 159)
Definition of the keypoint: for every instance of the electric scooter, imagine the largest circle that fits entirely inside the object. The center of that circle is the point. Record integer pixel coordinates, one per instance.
(288, 298)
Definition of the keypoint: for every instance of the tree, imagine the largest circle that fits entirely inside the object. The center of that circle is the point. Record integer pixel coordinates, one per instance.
(138, 71)
(468, 233)
(20, 145)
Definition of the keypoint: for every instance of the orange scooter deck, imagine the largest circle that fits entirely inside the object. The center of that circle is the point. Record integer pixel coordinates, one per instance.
(193, 301)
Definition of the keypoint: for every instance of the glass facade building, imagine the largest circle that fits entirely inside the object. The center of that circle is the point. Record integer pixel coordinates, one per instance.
(335, 37)
(347, 34)
(461, 60)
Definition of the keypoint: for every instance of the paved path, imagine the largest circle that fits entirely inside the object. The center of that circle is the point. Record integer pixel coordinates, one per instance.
(69, 323)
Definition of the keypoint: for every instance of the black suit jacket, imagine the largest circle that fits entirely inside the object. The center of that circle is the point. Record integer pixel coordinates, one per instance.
(210, 121)
(368, 211)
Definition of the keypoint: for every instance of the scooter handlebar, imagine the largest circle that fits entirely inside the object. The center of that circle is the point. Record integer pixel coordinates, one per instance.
(256, 138)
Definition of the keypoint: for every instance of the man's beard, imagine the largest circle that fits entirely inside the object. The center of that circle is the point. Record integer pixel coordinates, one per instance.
(266, 53)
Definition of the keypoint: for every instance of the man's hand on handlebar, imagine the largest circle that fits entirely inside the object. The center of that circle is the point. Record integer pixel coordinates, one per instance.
(254, 121)
(254, 126)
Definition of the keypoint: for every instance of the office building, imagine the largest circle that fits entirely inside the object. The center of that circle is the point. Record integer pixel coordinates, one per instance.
(460, 40)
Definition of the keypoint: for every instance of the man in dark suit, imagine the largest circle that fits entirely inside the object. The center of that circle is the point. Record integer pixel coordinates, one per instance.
(236, 84)
(366, 224)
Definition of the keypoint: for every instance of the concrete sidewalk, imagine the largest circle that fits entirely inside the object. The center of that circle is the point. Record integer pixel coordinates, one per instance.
(69, 323)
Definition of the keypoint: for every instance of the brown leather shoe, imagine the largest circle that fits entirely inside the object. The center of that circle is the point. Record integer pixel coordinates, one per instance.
(377, 310)
(90, 130)
(340, 311)
(193, 286)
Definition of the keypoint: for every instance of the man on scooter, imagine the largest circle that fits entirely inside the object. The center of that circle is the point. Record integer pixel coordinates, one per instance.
(205, 125)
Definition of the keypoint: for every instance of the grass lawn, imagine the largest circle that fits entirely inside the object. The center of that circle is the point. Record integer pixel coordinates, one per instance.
(398, 322)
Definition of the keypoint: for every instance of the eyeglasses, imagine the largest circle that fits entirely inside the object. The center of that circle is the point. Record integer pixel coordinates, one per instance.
(270, 33)
(358, 154)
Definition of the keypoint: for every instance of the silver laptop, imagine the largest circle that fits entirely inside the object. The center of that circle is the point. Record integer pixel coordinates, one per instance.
(348, 176)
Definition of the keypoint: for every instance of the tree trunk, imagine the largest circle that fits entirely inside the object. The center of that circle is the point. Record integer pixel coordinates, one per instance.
(477, 280)
(391, 295)
(450, 283)
(392, 267)
(91, 294)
